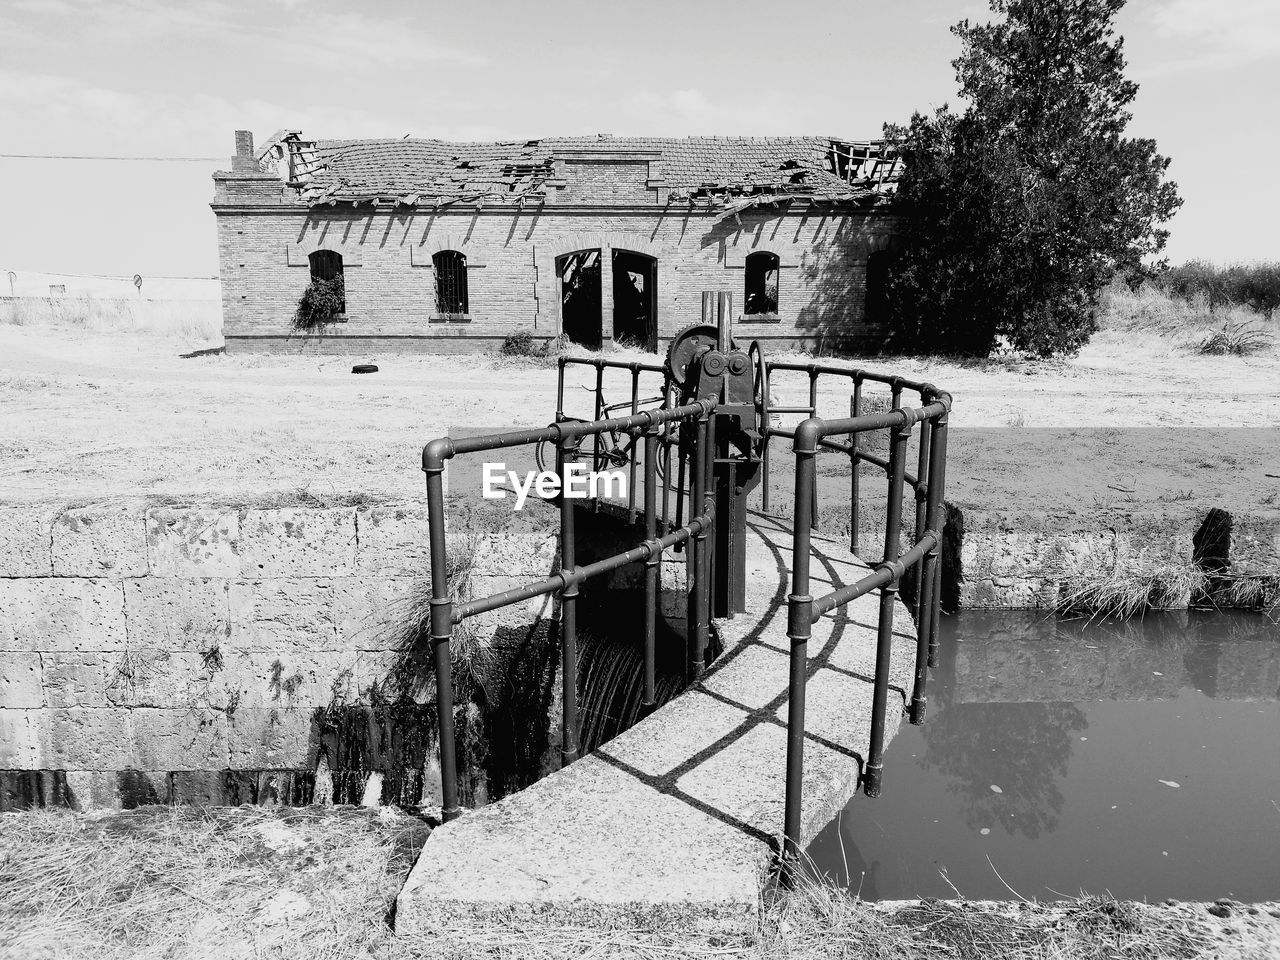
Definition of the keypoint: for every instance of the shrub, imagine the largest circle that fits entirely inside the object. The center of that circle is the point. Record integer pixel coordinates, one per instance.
(520, 344)
(324, 301)
(1256, 286)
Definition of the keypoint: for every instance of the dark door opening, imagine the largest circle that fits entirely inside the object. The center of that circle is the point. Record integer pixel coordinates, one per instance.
(580, 297)
(635, 315)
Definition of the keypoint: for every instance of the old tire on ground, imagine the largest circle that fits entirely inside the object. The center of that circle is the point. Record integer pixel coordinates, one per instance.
(365, 368)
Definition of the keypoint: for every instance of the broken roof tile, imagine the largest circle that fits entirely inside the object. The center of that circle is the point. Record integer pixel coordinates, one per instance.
(715, 170)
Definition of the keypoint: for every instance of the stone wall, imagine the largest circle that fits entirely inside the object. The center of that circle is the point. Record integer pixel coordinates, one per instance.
(159, 651)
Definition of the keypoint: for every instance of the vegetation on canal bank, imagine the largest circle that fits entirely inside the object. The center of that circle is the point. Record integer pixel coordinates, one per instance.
(315, 883)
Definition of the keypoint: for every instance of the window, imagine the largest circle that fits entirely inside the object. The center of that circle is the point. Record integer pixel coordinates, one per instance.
(879, 266)
(450, 268)
(761, 294)
(326, 267)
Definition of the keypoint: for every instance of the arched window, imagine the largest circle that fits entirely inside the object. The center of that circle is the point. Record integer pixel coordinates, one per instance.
(450, 268)
(326, 266)
(879, 268)
(761, 293)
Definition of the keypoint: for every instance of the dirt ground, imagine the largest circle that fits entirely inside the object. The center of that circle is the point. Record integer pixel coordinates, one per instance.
(88, 416)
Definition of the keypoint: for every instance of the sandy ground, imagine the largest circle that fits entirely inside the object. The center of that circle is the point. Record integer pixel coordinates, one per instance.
(88, 416)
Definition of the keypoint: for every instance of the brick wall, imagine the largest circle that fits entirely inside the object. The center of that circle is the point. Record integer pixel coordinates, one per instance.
(263, 241)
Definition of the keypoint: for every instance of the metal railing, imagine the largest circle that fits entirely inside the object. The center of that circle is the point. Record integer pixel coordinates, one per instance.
(803, 610)
(652, 434)
(654, 426)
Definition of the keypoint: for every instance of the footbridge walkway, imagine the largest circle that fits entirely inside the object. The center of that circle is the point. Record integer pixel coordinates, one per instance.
(677, 820)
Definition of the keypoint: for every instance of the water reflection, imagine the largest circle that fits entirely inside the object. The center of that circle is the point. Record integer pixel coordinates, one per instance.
(1139, 758)
(1015, 784)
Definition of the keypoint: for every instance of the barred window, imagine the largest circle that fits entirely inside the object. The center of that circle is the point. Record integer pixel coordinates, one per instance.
(450, 268)
(761, 294)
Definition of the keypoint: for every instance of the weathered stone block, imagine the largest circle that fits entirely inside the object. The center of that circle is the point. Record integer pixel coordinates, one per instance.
(100, 542)
(86, 738)
(177, 613)
(257, 680)
(298, 542)
(93, 789)
(61, 614)
(1255, 543)
(24, 541)
(393, 541)
(189, 542)
(374, 613)
(21, 681)
(20, 740)
(178, 739)
(74, 680)
(270, 738)
(528, 554)
(202, 788)
(282, 613)
(143, 677)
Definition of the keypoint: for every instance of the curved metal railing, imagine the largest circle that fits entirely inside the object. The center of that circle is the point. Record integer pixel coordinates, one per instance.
(567, 435)
(803, 610)
(654, 429)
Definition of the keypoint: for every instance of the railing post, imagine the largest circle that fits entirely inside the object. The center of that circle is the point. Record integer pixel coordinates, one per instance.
(937, 489)
(441, 633)
(631, 467)
(560, 365)
(765, 426)
(928, 572)
(898, 437)
(651, 567)
(813, 412)
(595, 439)
(697, 627)
(799, 628)
(855, 510)
(922, 480)
(565, 450)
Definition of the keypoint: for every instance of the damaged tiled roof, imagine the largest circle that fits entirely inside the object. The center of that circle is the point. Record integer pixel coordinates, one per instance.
(722, 172)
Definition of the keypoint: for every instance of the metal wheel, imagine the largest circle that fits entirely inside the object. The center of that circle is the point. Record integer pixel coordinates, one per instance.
(688, 343)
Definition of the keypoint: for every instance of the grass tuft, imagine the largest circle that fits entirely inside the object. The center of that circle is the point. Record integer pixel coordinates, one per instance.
(1113, 593)
(1240, 338)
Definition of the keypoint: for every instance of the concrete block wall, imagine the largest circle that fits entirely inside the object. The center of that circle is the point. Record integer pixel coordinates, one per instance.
(141, 644)
(512, 274)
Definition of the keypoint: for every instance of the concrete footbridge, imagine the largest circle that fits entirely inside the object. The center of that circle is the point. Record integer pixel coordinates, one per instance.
(801, 660)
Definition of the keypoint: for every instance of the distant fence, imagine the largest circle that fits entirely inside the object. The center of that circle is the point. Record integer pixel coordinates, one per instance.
(192, 319)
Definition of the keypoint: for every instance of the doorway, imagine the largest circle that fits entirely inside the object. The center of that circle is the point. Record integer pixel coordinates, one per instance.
(579, 274)
(635, 319)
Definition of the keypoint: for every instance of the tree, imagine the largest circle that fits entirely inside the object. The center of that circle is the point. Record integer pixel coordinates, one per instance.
(1023, 207)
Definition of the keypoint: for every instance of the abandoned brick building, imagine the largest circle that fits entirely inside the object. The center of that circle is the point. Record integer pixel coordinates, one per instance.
(454, 246)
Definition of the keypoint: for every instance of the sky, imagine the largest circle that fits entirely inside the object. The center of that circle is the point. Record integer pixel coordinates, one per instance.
(174, 78)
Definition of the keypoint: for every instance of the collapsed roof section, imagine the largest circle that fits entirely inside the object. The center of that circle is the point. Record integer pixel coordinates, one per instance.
(718, 173)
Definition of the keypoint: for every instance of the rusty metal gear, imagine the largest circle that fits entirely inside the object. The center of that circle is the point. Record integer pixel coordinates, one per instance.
(685, 346)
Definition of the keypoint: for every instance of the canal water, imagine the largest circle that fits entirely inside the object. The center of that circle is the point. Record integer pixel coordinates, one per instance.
(1060, 757)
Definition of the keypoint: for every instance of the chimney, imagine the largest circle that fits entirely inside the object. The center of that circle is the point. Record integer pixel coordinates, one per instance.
(244, 160)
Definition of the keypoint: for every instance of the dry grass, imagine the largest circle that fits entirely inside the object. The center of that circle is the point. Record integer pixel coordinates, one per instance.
(1191, 324)
(1128, 591)
(241, 882)
(192, 320)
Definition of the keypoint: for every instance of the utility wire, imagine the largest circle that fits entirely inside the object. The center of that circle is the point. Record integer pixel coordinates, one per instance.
(63, 156)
